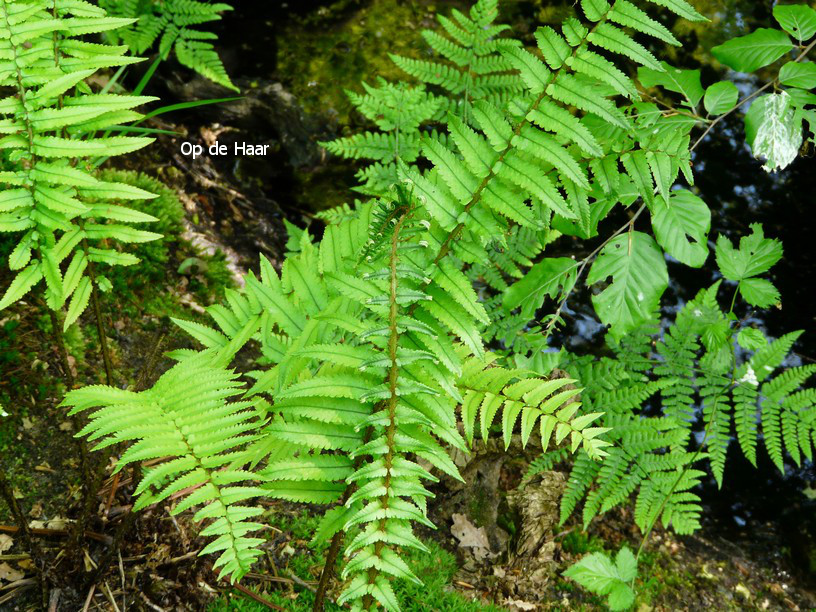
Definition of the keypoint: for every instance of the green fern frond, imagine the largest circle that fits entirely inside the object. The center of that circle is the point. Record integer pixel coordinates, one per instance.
(65, 216)
(187, 419)
(171, 22)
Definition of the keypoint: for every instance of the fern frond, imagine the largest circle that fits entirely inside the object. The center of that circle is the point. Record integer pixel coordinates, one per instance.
(171, 23)
(60, 209)
(187, 419)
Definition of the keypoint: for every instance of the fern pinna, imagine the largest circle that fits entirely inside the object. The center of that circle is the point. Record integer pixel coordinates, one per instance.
(171, 23)
(187, 420)
(53, 201)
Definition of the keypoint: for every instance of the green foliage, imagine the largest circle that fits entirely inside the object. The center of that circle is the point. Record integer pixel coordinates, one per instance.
(774, 122)
(168, 213)
(58, 210)
(598, 574)
(639, 277)
(418, 311)
(720, 97)
(172, 23)
(753, 51)
(185, 419)
(798, 20)
(685, 383)
(398, 111)
(756, 255)
(436, 569)
(368, 347)
(473, 61)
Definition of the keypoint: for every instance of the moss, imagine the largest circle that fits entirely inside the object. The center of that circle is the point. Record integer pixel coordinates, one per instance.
(580, 542)
(351, 48)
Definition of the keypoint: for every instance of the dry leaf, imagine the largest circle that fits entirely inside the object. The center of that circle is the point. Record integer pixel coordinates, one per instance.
(36, 510)
(6, 542)
(470, 536)
(521, 605)
(10, 574)
(57, 523)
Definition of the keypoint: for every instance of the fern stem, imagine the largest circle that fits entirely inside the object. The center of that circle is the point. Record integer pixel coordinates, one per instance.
(328, 567)
(100, 323)
(393, 376)
(331, 557)
(59, 340)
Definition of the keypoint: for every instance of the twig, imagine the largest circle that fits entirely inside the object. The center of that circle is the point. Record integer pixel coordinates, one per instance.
(53, 601)
(7, 493)
(300, 582)
(112, 494)
(124, 585)
(38, 531)
(150, 604)
(258, 598)
(150, 365)
(109, 595)
(89, 598)
(184, 557)
(105, 560)
(18, 583)
(22, 587)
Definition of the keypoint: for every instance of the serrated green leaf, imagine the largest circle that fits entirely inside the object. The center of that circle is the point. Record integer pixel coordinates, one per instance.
(681, 227)
(639, 277)
(753, 51)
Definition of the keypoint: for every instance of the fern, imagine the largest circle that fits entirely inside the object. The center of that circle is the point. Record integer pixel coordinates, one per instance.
(368, 347)
(60, 211)
(171, 23)
(187, 420)
(398, 111)
(471, 64)
(489, 393)
(380, 339)
(702, 389)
